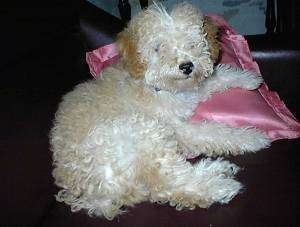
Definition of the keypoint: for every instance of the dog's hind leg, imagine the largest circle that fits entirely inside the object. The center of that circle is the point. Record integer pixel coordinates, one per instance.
(172, 179)
(104, 173)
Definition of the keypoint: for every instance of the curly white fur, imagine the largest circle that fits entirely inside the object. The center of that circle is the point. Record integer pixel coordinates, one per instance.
(118, 141)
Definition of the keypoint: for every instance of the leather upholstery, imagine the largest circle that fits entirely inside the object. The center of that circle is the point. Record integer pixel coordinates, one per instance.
(97, 26)
(278, 57)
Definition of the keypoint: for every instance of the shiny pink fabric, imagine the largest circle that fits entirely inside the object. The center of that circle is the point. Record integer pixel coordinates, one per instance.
(238, 107)
(260, 108)
(100, 58)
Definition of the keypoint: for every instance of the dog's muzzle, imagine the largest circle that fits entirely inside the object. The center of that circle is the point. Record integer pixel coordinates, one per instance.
(186, 67)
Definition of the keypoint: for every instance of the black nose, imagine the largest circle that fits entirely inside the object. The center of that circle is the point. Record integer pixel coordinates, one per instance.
(186, 67)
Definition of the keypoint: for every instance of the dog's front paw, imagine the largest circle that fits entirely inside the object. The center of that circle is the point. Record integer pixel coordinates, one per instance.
(251, 140)
(251, 81)
(236, 77)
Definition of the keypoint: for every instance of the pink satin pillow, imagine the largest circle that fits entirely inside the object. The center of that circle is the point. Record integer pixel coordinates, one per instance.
(260, 108)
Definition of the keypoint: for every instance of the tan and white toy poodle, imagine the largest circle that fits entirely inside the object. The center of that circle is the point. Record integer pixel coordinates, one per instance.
(124, 138)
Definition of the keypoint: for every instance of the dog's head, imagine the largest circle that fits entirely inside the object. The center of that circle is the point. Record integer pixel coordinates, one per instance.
(171, 51)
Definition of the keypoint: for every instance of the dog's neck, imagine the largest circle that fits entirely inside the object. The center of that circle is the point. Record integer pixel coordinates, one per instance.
(180, 104)
(174, 104)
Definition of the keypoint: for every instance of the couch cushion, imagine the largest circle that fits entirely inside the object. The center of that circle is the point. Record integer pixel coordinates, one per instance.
(97, 26)
(278, 57)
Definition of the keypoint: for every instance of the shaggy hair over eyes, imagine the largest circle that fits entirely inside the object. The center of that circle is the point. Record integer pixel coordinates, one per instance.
(127, 43)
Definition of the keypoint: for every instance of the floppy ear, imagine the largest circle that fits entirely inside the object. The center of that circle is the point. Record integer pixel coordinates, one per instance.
(212, 30)
(128, 49)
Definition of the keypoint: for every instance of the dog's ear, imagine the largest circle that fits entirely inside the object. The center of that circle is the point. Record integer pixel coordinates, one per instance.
(212, 30)
(130, 57)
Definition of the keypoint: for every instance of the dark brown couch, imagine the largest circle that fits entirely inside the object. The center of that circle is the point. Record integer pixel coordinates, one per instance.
(44, 58)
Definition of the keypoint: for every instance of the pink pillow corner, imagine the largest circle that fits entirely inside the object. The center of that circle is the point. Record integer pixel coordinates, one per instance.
(260, 108)
(101, 58)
